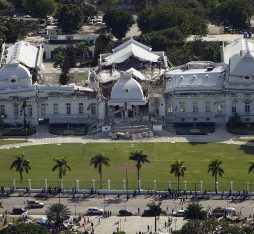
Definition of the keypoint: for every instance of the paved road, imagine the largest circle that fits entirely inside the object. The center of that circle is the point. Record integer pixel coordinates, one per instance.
(112, 203)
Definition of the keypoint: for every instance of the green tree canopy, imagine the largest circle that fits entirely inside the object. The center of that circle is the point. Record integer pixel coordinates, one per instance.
(58, 213)
(89, 10)
(103, 44)
(155, 19)
(119, 21)
(163, 40)
(23, 228)
(6, 7)
(233, 13)
(12, 30)
(70, 17)
(40, 8)
(195, 211)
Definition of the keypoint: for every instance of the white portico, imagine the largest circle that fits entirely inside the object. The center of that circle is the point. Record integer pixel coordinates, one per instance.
(126, 97)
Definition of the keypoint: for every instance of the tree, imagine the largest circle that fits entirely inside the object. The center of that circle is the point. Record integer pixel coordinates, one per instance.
(140, 158)
(156, 19)
(215, 168)
(119, 21)
(233, 13)
(15, 29)
(58, 57)
(83, 49)
(97, 162)
(140, 4)
(25, 228)
(195, 211)
(40, 8)
(178, 169)
(6, 7)
(70, 17)
(21, 164)
(65, 58)
(89, 10)
(103, 44)
(155, 210)
(58, 213)
(62, 166)
(251, 167)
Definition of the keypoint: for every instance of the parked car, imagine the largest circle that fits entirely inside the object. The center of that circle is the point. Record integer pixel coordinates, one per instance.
(18, 210)
(94, 211)
(179, 213)
(34, 204)
(125, 213)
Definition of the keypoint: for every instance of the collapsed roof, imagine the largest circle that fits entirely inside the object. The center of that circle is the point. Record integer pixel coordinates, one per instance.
(128, 49)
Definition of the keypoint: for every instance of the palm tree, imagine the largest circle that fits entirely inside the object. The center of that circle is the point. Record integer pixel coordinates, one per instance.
(178, 169)
(83, 49)
(215, 168)
(58, 213)
(98, 161)
(21, 164)
(195, 211)
(140, 158)
(62, 166)
(251, 167)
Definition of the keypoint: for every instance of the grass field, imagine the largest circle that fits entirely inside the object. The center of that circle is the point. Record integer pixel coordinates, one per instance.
(196, 156)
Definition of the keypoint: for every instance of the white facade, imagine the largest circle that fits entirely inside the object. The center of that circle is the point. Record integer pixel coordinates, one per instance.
(197, 92)
(22, 102)
(207, 92)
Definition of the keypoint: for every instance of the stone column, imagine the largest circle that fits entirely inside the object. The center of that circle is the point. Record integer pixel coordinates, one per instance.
(201, 186)
(248, 187)
(185, 185)
(77, 185)
(46, 184)
(29, 184)
(139, 184)
(124, 185)
(108, 184)
(14, 184)
(154, 185)
(93, 184)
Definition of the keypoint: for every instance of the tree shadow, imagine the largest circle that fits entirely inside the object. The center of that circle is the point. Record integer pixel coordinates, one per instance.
(113, 201)
(197, 143)
(247, 149)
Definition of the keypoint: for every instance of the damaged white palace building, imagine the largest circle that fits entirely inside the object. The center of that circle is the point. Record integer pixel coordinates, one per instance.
(131, 83)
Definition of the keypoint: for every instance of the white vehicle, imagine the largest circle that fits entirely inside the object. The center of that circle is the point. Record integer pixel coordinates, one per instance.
(94, 211)
(179, 213)
(99, 21)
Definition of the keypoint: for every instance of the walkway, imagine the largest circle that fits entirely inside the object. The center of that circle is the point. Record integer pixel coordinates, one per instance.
(44, 137)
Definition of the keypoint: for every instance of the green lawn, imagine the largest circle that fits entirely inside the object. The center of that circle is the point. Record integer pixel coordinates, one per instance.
(196, 156)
